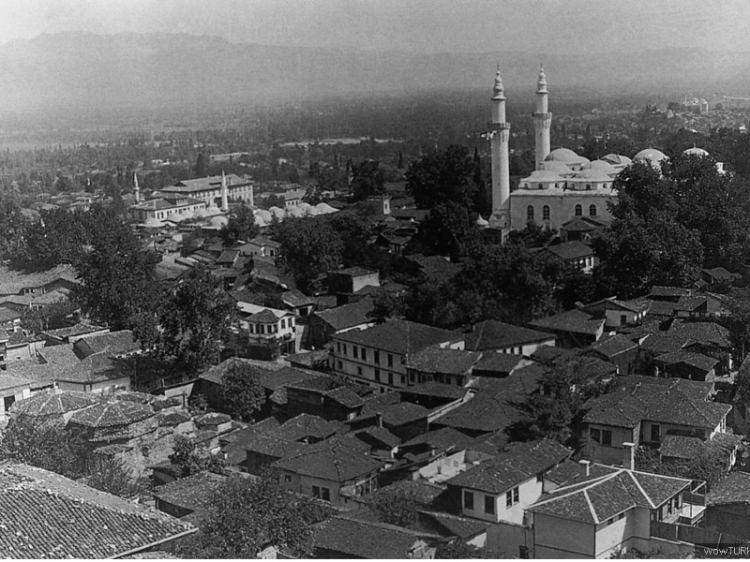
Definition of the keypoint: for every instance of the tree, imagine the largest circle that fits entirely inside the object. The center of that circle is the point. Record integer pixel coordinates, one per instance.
(309, 248)
(242, 392)
(201, 166)
(110, 475)
(456, 549)
(246, 516)
(45, 446)
(396, 505)
(240, 226)
(367, 179)
(195, 318)
(446, 230)
(441, 177)
(185, 455)
(49, 317)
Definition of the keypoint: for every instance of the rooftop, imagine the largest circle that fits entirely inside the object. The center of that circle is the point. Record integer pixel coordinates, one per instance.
(13, 282)
(435, 359)
(332, 460)
(399, 336)
(348, 315)
(575, 321)
(735, 488)
(193, 492)
(494, 335)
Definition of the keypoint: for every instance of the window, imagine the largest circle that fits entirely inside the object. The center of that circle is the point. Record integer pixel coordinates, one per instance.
(596, 435)
(489, 504)
(287, 478)
(579, 210)
(338, 347)
(355, 351)
(511, 497)
(623, 319)
(340, 365)
(359, 371)
(592, 210)
(376, 356)
(390, 379)
(530, 213)
(377, 374)
(364, 354)
(316, 492)
(655, 432)
(468, 499)
(345, 352)
(283, 323)
(545, 213)
(606, 438)
(325, 494)
(390, 360)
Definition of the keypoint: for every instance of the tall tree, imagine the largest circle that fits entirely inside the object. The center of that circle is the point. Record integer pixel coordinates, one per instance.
(443, 176)
(368, 179)
(240, 226)
(243, 393)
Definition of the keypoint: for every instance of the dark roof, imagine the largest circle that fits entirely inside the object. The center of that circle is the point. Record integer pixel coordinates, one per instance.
(735, 488)
(663, 291)
(662, 308)
(571, 250)
(380, 434)
(462, 527)
(111, 414)
(442, 439)
(348, 315)
(193, 492)
(720, 274)
(45, 515)
(602, 497)
(498, 362)
(681, 447)
(662, 343)
(399, 336)
(403, 413)
(520, 462)
(708, 333)
(365, 539)
(492, 335)
(295, 297)
(355, 271)
(696, 360)
(434, 359)
(54, 403)
(308, 425)
(114, 343)
(333, 460)
(627, 406)
(575, 321)
(217, 372)
(265, 316)
(612, 346)
(435, 389)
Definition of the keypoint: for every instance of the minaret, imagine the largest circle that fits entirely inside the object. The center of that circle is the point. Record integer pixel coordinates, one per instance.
(542, 121)
(224, 193)
(136, 189)
(499, 135)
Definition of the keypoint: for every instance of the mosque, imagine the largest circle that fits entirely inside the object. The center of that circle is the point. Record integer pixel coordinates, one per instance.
(563, 185)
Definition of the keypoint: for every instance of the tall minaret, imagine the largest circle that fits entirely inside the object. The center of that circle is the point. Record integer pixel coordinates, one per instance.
(224, 193)
(136, 189)
(542, 121)
(499, 135)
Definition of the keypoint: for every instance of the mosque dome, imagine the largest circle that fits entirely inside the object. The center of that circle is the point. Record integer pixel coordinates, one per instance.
(602, 166)
(544, 176)
(617, 159)
(566, 156)
(696, 152)
(593, 175)
(262, 217)
(325, 208)
(278, 212)
(653, 155)
(218, 221)
(555, 166)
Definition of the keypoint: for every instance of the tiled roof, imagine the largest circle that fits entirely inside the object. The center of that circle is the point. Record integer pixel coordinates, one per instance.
(348, 315)
(628, 406)
(403, 413)
(265, 316)
(44, 515)
(681, 447)
(575, 321)
(54, 403)
(13, 282)
(333, 460)
(612, 346)
(115, 343)
(8, 315)
(455, 526)
(442, 439)
(602, 497)
(381, 434)
(287, 376)
(215, 373)
(663, 343)
(519, 463)
(492, 335)
(77, 330)
(708, 333)
(365, 539)
(720, 274)
(307, 425)
(95, 368)
(399, 336)
(697, 360)
(193, 492)
(434, 359)
(499, 362)
(663, 291)
(571, 250)
(353, 271)
(436, 389)
(662, 308)
(111, 414)
(8, 382)
(735, 488)
(345, 396)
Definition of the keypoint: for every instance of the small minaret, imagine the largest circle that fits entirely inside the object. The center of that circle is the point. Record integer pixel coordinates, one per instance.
(136, 189)
(542, 121)
(499, 136)
(224, 193)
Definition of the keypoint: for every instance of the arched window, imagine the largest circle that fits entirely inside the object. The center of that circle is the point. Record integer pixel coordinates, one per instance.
(545, 213)
(592, 210)
(579, 210)
(530, 213)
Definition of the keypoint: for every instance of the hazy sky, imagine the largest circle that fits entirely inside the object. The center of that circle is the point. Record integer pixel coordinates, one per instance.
(537, 26)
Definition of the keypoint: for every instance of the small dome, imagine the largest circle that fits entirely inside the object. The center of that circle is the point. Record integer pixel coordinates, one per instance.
(696, 152)
(219, 221)
(482, 223)
(653, 155)
(544, 176)
(617, 159)
(278, 212)
(602, 166)
(262, 217)
(325, 208)
(565, 155)
(593, 174)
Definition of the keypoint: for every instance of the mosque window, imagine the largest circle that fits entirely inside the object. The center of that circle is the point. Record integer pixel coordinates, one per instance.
(530, 213)
(545, 213)
(592, 210)
(541, 186)
(579, 210)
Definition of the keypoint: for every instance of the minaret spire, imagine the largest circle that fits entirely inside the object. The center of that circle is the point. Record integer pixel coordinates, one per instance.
(499, 137)
(542, 120)
(136, 188)
(224, 193)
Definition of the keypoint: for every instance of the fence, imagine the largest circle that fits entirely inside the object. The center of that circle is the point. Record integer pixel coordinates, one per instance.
(693, 535)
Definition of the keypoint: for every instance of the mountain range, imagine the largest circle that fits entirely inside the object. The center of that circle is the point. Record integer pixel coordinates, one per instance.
(154, 70)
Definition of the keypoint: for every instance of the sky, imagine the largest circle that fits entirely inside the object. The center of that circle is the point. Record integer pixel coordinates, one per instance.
(533, 26)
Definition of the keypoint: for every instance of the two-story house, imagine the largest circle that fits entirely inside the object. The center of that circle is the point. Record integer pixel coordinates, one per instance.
(493, 335)
(377, 356)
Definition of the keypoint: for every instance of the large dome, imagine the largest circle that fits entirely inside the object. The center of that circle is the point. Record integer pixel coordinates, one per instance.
(652, 155)
(565, 155)
(603, 166)
(555, 166)
(696, 152)
(594, 175)
(617, 159)
(544, 176)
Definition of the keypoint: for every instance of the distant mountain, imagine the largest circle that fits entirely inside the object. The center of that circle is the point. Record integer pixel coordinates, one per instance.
(156, 70)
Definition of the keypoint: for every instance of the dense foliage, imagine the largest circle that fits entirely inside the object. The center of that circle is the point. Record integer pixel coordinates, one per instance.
(242, 392)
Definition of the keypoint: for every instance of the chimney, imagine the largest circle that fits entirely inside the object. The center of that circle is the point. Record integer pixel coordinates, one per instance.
(586, 466)
(379, 419)
(628, 459)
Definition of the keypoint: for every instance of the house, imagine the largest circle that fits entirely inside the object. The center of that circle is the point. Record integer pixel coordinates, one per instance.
(617, 349)
(72, 334)
(719, 276)
(441, 365)
(499, 489)
(16, 283)
(352, 279)
(492, 335)
(298, 302)
(188, 496)
(153, 211)
(208, 189)
(618, 313)
(646, 409)
(100, 372)
(260, 246)
(377, 356)
(404, 419)
(686, 365)
(670, 294)
(120, 343)
(574, 254)
(581, 228)
(332, 471)
(603, 514)
(37, 510)
(12, 389)
(342, 537)
(269, 327)
(573, 328)
(728, 506)
(322, 396)
(10, 320)
(323, 324)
